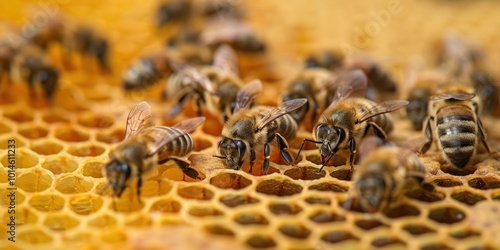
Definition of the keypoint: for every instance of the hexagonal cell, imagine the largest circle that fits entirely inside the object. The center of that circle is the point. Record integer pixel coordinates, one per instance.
(436, 246)
(23, 158)
(166, 206)
(6, 195)
(201, 144)
(102, 221)
(34, 236)
(47, 148)
(280, 208)
(95, 121)
(260, 241)
(403, 210)
(329, 186)
(60, 164)
(484, 183)
(4, 128)
(251, 218)
(304, 173)
(85, 204)
(69, 134)
(425, 195)
(467, 197)
(204, 211)
(54, 118)
(139, 221)
(24, 216)
(155, 187)
(383, 242)
(325, 216)
(463, 234)
(447, 182)
(318, 200)
(47, 202)
(369, 224)
(4, 141)
(219, 230)
(60, 221)
(278, 188)
(297, 231)
(33, 132)
(86, 150)
(114, 236)
(418, 229)
(351, 204)
(19, 116)
(195, 192)
(338, 236)
(230, 181)
(232, 200)
(342, 174)
(446, 215)
(93, 169)
(35, 181)
(128, 202)
(112, 137)
(73, 184)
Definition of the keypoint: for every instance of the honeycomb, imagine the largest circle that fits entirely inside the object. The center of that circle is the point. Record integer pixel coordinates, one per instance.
(62, 147)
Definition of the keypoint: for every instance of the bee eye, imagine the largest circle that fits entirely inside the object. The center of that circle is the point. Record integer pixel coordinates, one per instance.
(322, 130)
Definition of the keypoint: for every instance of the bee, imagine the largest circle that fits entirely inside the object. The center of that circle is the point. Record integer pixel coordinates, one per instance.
(146, 71)
(249, 130)
(146, 145)
(325, 59)
(347, 120)
(7, 55)
(222, 9)
(53, 32)
(382, 176)
(186, 46)
(381, 84)
(453, 113)
(86, 41)
(233, 32)
(488, 91)
(172, 11)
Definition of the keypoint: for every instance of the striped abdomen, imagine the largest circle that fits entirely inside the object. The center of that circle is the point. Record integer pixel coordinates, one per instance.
(457, 133)
(384, 121)
(285, 126)
(180, 146)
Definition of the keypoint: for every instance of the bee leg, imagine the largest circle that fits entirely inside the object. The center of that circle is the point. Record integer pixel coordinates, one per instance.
(139, 185)
(199, 102)
(378, 131)
(185, 166)
(428, 134)
(283, 147)
(252, 159)
(352, 150)
(302, 145)
(481, 131)
(267, 155)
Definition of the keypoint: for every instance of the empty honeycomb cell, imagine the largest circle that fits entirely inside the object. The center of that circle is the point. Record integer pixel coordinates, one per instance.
(114, 236)
(7, 195)
(35, 181)
(19, 116)
(468, 198)
(4, 128)
(139, 221)
(230, 181)
(69, 134)
(54, 118)
(484, 183)
(251, 218)
(47, 202)
(261, 241)
(86, 150)
(60, 221)
(382, 242)
(60, 164)
(369, 224)
(127, 203)
(204, 211)
(338, 236)
(278, 188)
(93, 169)
(112, 137)
(103, 221)
(47, 148)
(24, 215)
(446, 215)
(436, 246)
(195, 192)
(403, 210)
(280, 208)
(326, 216)
(318, 200)
(4, 141)
(85, 204)
(33, 132)
(166, 206)
(95, 121)
(342, 174)
(418, 229)
(34, 236)
(23, 158)
(463, 234)
(424, 195)
(155, 187)
(297, 231)
(219, 230)
(304, 173)
(447, 182)
(329, 186)
(201, 144)
(73, 184)
(232, 200)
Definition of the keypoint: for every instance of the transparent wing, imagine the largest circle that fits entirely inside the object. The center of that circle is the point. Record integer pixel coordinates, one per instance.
(456, 96)
(381, 108)
(190, 124)
(226, 60)
(138, 118)
(348, 83)
(195, 75)
(281, 110)
(247, 94)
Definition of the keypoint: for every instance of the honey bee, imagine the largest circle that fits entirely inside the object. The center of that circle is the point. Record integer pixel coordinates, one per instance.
(453, 119)
(381, 85)
(87, 42)
(146, 71)
(347, 120)
(186, 46)
(146, 145)
(233, 32)
(173, 11)
(7, 55)
(329, 60)
(249, 130)
(53, 32)
(486, 87)
(383, 175)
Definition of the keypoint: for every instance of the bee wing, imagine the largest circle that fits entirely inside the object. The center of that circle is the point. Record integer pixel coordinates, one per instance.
(381, 108)
(456, 96)
(281, 110)
(190, 125)
(138, 118)
(225, 59)
(348, 83)
(247, 94)
(195, 75)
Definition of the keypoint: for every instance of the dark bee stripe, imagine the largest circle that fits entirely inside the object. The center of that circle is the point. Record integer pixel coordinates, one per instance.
(180, 146)
(287, 126)
(460, 117)
(459, 156)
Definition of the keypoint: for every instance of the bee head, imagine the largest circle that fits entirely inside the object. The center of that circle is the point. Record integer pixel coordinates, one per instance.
(118, 174)
(371, 188)
(233, 151)
(331, 137)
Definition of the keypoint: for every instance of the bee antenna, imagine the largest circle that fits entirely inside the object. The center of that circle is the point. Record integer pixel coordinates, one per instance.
(219, 156)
